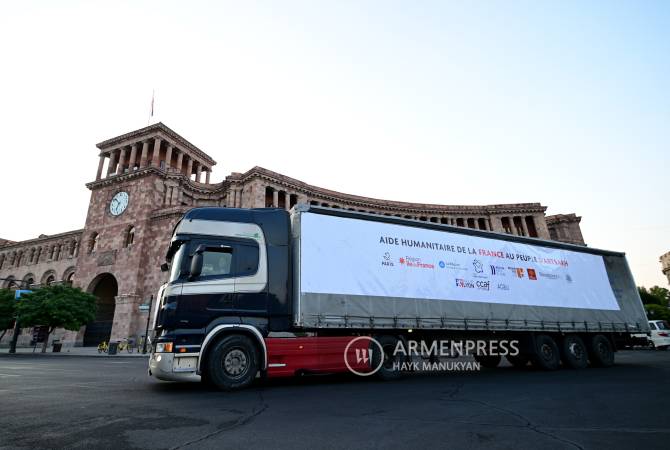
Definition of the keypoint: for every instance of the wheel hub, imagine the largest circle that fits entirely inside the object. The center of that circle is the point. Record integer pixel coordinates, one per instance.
(235, 362)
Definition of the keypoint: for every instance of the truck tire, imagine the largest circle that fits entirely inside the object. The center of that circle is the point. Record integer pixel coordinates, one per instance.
(546, 355)
(573, 352)
(232, 363)
(488, 361)
(519, 361)
(601, 353)
(387, 372)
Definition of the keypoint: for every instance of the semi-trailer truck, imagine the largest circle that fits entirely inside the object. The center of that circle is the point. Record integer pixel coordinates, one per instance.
(267, 292)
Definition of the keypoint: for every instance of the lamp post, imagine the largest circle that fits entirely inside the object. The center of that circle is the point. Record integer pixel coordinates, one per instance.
(17, 329)
(146, 331)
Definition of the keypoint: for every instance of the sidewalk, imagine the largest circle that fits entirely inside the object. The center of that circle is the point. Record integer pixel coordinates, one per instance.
(73, 351)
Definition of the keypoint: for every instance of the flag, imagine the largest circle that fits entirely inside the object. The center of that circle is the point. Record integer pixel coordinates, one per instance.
(152, 103)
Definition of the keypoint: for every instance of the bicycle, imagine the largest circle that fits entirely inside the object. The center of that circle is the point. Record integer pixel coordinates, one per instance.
(127, 345)
(103, 347)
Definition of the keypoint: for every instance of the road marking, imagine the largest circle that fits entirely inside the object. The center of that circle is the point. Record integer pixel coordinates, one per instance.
(9, 375)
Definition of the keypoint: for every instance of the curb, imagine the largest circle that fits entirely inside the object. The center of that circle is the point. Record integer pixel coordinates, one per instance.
(66, 355)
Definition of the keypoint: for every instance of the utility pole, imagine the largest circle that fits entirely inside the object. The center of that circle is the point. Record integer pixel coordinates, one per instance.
(146, 331)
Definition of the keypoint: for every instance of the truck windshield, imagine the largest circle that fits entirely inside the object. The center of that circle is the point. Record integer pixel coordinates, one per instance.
(175, 264)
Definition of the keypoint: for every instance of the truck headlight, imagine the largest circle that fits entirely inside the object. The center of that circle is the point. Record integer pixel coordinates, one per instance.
(164, 347)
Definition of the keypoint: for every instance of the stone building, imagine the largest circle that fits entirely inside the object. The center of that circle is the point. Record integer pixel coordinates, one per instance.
(665, 265)
(148, 178)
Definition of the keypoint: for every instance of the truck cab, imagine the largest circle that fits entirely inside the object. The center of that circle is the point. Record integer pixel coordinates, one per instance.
(228, 274)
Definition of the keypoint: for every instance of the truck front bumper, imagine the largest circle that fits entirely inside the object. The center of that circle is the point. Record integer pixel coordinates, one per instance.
(171, 367)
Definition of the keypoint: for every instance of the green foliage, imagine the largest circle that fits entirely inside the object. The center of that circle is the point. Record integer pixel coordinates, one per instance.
(657, 312)
(654, 296)
(7, 309)
(57, 306)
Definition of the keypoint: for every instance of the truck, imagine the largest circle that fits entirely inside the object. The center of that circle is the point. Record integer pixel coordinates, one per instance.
(273, 293)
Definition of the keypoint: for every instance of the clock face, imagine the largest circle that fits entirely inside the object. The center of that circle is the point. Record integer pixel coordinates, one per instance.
(119, 203)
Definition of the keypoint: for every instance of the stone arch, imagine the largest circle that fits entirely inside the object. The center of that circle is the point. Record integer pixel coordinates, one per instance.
(10, 282)
(68, 275)
(48, 278)
(28, 280)
(2, 260)
(105, 288)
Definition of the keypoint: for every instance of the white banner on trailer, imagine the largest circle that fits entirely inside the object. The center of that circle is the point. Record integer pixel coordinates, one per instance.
(358, 257)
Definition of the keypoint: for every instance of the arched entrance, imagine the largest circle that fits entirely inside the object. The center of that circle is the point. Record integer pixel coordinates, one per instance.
(105, 288)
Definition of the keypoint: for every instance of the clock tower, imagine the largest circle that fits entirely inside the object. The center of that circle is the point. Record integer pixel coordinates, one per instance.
(144, 183)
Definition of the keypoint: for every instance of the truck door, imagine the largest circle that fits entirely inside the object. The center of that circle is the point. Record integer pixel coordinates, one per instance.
(250, 279)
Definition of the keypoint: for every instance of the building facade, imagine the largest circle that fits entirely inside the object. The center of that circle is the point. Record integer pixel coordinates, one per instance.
(665, 265)
(148, 178)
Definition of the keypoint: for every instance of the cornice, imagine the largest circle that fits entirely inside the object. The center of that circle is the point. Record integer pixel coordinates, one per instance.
(41, 240)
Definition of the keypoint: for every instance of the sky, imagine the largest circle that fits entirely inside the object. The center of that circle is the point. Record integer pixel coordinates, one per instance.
(562, 103)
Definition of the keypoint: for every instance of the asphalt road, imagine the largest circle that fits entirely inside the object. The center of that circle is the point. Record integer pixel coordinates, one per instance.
(88, 402)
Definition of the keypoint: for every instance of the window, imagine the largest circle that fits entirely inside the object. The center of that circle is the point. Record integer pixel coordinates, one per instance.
(93, 243)
(50, 280)
(130, 236)
(223, 258)
(652, 325)
(216, 262)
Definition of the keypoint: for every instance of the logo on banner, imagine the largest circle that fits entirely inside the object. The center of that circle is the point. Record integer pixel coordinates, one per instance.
(568, 278)
(483, 285)
(386, 260)
(498, 271)
(551, 276)
(478, 266)
(531, 274)
(518, 271)
(467, 284)
(441, 264)
(411, 261)
(503, 287)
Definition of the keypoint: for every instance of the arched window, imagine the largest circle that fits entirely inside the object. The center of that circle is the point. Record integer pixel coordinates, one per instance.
(50, 279)
(70, 278)
(2, 260)
(130, 236)
(93, 243)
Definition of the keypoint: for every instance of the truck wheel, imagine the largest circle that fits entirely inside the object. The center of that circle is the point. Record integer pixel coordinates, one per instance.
(387, 372)
(488, 361)
(546, 355)
(600, 350)
(519, 361)
(232, 363)
(573, 352)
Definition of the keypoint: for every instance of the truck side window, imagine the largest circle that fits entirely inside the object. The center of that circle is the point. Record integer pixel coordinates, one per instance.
(652, 325)
(216, 262)
(247, 259)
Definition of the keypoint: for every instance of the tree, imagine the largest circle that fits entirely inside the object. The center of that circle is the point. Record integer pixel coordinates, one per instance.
(654, 296)
(657, 312)
(7, 311)
(56, 306)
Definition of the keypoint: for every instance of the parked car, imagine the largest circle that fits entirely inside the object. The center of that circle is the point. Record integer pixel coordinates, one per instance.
(660, 334)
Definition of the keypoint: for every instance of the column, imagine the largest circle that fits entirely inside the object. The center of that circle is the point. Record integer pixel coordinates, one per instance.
(189, 168)
(168, 157)
(198, 171)
(275, 198)
(207, 172)
(180, 159)
(155, 160)
(145, 154)
(100, 164)
(523, 225)
(287, 201)
(122, 161)
(133, 157)
(112, 163)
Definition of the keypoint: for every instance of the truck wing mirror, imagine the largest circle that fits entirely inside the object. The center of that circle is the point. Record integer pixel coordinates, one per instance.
(164, 267)
(196, 266)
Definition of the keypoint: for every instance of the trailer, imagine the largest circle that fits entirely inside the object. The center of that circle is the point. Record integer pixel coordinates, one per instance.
(272, 293)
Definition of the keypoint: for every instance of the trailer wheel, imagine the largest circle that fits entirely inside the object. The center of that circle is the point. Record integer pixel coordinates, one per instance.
(519, 361)
(573, 352)
(601, 352)
(232, 363)
(546, 355)
(387, 371)
(488, 361)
